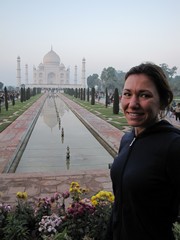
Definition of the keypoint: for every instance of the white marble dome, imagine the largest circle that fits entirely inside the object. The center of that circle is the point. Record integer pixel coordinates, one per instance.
(51, 58)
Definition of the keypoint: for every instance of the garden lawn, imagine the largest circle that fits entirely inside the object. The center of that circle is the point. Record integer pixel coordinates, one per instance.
(7, 117)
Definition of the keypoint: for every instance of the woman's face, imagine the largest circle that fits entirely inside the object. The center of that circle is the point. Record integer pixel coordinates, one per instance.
(140, 102)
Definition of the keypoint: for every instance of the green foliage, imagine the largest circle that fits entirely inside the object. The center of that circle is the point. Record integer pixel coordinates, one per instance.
(6, 98)
(93, 96)
(88, 95)
(16, 229)
(170, 72)
(13, 100)
(14, 111)
(76, 93)
(116, 102)
(84, 94)
(110, 78)
(176, 230)
(25, 212)
(22, 95)
(107, 98)
(1, 85)
(93, 80)
(59, 236)
(81, 94)
(99, 220)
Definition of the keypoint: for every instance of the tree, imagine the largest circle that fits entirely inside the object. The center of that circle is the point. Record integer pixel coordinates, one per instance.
(13, 100)
(84, 94)
(109, 78)
(81, 94)
(88, 95)
(116, 102)
(1, 85)
(22, 95)
(175, 85)
(170, 72)
(93, 80)
(107, 98)
(93, 96)
(6, 98)
(76, 93)
(121, 78)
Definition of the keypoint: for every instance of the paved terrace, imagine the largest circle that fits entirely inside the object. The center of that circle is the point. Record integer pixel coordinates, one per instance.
(45, 184)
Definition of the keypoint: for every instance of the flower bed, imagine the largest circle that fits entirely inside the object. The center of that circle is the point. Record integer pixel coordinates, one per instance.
(51, 218)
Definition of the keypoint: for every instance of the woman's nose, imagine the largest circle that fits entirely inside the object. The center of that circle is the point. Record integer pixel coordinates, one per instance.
(134, 102)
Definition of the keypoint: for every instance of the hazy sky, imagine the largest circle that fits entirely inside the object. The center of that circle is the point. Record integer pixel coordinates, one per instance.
(108, 33)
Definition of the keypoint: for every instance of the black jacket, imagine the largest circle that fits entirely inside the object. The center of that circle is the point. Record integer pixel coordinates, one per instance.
(146, 184)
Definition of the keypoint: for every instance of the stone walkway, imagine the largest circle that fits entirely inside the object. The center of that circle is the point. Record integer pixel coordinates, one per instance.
(45, 184)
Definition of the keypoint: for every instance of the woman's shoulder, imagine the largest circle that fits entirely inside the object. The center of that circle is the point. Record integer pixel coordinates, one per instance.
(166, 127)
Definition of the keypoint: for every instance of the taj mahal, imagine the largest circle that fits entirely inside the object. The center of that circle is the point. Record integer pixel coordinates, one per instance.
(52, 73)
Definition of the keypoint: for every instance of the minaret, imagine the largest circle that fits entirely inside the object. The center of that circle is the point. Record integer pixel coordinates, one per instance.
(26, 74)
(34, 74)
(83, 77)
(68, 75)
(18, 77)
(75, 75)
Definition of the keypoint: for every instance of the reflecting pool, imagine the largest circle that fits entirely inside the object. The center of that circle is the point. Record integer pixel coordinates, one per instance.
(60, 141)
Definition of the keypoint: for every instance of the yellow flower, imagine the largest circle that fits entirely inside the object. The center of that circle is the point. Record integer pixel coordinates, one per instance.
(22, 195)
(74, 184)
(94, 202)
(102, 196)
(93, 198)
(71, 189)
(19, 194)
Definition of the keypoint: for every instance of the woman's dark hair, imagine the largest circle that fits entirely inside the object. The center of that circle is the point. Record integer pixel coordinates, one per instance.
(156, 74)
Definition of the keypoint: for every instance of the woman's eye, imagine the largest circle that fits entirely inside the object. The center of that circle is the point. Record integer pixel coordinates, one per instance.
(144, 95)
(126, 94)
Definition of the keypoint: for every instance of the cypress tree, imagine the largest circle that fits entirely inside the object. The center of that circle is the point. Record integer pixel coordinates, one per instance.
(88, 95)
(22, 95)
(116, 102)
(107, 98)
(81, 97)
(76, 93)
(6, 98)
(93, 96)
(84, 94)
(13, 100)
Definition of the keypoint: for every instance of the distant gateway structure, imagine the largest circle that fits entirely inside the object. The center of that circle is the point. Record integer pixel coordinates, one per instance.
(51, 73)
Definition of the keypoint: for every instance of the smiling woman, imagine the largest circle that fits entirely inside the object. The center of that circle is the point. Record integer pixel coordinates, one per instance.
(140, 102)
(146, 173)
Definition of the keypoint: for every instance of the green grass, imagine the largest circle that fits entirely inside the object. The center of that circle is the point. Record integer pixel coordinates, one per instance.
(7, 117)
(100, 110)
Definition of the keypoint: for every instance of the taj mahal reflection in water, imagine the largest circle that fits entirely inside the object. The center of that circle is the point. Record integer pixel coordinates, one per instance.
(60, 141)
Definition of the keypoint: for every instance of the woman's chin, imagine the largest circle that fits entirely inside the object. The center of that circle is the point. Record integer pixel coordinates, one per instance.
(134, 123)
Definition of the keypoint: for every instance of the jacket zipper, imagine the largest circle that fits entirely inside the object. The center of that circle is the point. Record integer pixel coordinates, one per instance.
(132, 141)
(130, 145)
